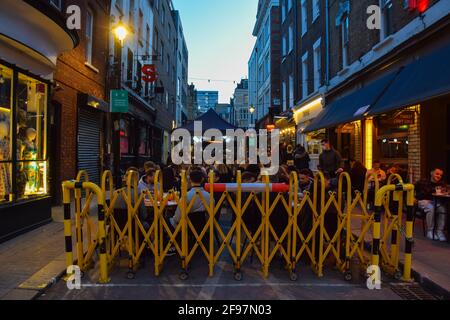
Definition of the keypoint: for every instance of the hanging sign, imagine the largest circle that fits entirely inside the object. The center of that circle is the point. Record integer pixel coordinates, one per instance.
(119, 101)
(149, 73)
(404, 118)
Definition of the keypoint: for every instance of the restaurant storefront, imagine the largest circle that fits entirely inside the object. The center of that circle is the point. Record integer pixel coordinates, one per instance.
(286, 124)
(28, 52)
(398, 115)
(304, 115)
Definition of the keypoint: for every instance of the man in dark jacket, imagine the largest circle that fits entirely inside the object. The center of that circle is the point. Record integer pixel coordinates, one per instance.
(330, 160)
(301, 158)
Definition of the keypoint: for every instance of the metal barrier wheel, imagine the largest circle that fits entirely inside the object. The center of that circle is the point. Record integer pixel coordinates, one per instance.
(238, 276)
(398, 275)
(348, 276)
(293, 276)
(184, 276)
(131, 275)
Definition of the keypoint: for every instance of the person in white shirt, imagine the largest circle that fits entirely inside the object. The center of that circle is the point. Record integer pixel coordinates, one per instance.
(196, 178)
(381, 175)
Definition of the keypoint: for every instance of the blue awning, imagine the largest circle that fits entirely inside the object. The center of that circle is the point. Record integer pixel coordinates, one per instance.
(353, 106)
(424, 79)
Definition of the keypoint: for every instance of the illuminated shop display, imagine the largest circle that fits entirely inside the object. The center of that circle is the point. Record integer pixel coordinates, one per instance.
(23, 132)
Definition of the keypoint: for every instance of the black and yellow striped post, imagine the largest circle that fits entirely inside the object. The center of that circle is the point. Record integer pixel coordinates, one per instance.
(379, 197)
(67, 225)
(409, 188)
(67, 186)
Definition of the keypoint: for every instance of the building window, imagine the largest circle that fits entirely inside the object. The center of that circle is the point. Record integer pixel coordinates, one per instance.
(140, 27)
(284, 96)
(124, 136)
(317, 65)
(168, 66)
(387, 9)
(283, 10)
(345, 40)
(291, 91)
(284, 46)
(291, 38)
(130, 65)
(89, 35)
(57, 4)
(143, 141)
(267, 66)
(289, 5)
(304, 17)
(163, 15)
(147, 41)
(316, 9)
(305, 75)
(131, 13)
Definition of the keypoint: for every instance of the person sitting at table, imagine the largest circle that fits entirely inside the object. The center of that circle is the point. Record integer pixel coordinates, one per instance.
(196, 179)
(424, 195)
(147, 181)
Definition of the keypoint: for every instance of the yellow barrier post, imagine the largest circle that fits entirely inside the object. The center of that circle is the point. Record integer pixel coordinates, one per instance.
(409, 232)
(266, 242)
(212, 217)
(183, 221)
(78, 218)
(322, 224)
(238, 213)
(101, 222)
(67, 226)
(293, 181)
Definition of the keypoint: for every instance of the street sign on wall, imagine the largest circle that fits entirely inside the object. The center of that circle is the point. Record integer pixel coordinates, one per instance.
(119, 101)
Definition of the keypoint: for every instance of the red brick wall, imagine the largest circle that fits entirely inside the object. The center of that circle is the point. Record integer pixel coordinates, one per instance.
(74, 77)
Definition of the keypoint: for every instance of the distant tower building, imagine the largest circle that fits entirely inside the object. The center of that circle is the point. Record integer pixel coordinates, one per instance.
(207, 100)
(241, 106)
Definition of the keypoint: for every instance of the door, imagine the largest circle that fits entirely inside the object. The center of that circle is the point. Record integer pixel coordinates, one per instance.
(89, 137)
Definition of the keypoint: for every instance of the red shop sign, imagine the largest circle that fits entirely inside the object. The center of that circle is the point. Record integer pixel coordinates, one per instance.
(149, 73)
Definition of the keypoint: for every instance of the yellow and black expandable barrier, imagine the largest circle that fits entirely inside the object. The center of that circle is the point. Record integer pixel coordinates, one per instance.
(101, 235)
(317, 227)
(381, 256)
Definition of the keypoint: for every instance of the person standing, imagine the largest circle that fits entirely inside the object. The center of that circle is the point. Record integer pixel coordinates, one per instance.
(301, 158)
(330, 161)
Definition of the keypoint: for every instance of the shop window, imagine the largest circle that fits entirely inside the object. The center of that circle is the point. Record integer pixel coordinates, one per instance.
(31, 174)
(313, 141)
(143, 140)
(6, 76)
(124, 136)
(394, 148)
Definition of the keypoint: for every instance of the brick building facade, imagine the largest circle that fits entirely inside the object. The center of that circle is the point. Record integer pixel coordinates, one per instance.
(81, 84)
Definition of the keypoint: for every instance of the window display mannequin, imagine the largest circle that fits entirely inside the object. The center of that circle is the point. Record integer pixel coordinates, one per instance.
(21, 137)
(31, 169)
(5, 182)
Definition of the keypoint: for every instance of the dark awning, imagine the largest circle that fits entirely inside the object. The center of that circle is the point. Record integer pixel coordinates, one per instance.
(424, 79)
(353, 106)
(210, 120)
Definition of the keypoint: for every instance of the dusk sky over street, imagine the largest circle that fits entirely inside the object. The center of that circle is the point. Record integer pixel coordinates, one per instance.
(219, 39)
